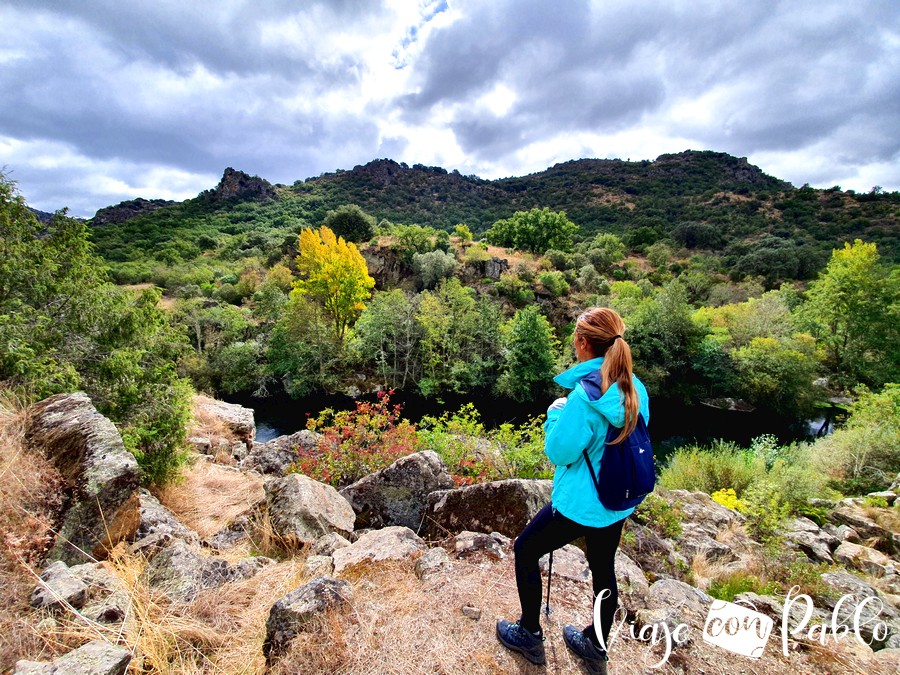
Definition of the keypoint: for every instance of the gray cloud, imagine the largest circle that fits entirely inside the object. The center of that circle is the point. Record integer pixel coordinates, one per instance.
(106, 100)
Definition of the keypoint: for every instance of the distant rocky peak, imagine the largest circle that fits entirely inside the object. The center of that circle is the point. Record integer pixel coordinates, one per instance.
(127, 210)
(239, 186)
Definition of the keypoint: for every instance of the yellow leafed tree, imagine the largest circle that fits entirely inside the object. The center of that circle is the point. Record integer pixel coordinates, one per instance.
(333, 272)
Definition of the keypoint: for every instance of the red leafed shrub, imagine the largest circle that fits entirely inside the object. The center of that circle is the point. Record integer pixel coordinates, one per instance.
(358, 442)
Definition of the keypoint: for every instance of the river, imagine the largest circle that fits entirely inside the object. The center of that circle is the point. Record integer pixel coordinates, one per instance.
(672, 423)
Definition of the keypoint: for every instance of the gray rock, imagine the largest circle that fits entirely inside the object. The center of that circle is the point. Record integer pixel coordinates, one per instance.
(842, 533)
(319, 566)
(236, 532)
(504, 506)
(856, 591)
(494, 267)
(398, 494)
(471, 612)
(851, 514)
(569, 562)
(95, 658)
(774, 609)
(275, 456)
(296, 611)
(467, 544)
(200, 444)
(895, 486)
(434, 561)
(158, 521)
(702, 511)
(59, 588)
(102, 476)
(239, 451)
(694, 542)
(238, 419)
(327, 544)
(862, 558)
(302, 509)
(182, 573)
(805, 535)
(632, 584)
(678, 602)
(390, 543)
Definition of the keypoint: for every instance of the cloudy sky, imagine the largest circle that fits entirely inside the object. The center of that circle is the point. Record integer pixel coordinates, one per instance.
(105, 100)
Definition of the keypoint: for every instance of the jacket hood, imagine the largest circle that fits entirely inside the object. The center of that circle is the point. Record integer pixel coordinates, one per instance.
(569, 378)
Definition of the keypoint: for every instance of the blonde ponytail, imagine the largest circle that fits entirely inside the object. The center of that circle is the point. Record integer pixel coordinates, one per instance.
(604, 330)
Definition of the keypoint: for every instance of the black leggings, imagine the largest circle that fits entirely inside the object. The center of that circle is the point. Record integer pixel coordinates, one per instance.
(550, 530)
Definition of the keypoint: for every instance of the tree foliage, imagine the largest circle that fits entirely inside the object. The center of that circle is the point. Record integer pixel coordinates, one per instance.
(529, 355)
(64, 327)
(536, 231)
(350, 222)
(335, 274)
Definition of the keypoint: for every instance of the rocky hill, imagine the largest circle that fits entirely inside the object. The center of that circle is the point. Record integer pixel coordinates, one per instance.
(241, 568)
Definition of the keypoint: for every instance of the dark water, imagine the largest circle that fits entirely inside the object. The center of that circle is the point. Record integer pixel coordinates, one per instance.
(672, 423)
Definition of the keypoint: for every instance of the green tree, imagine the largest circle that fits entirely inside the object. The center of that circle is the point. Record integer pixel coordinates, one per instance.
(853, 310)
(536, 231)
(387, 336)
(433, 266)
(64, 327)
(335, 274)
(529, 355)
(351, 223)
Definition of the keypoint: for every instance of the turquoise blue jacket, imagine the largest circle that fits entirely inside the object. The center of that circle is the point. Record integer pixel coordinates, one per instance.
(581, 424)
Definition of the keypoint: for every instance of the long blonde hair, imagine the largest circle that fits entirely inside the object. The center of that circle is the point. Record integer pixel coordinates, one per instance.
(604, 330)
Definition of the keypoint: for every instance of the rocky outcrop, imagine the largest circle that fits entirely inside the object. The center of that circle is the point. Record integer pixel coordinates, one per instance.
(102, 476)
(275, 456)
(849, 513)
(182, 573)
(433, 562)
(236, 418)
(862, 558)
(390, 543)
(239, 186)
(467, 544)
(329, 543)
(804, 535)
(98, 594)
(503, 506)
(127, 210)
(674, 602)
(398, 494)
(95, 658)
(493, 268)
(302, 509)
(159, 527)
(297, 611)
(878, 608)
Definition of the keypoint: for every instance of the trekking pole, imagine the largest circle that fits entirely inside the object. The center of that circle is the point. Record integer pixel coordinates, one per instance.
(549, 579)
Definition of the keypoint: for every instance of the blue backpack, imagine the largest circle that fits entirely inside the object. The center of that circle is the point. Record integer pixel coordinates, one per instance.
(627, 473)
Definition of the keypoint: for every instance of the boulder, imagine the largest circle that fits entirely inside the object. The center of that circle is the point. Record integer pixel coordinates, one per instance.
(855, 592)
(302, 509)
(889, 496)
(95, 658)
(862, 558)
(504, 506)
(102, 476)
(434, 561)
(236, 418)
(159, 526)
(569, 562)
(296, 611)
(842, 533)
(327, 544)
(467, 544)
(319, 566)
(674, 602)
(849, 513)
(398, 494)
(59, 588)
(701, 512)
(239, 451)
(632, 584)
(774, 608)
(391, 543)
(182, 573)
(804, 535)
(236, 532)
(201, 445)
(275, 456)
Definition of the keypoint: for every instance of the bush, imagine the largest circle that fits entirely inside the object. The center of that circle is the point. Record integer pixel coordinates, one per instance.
(433, 266)
(357, 442)
(512, 287)
(554, 283)
(656, 513)
(739, 582)
(723, 465)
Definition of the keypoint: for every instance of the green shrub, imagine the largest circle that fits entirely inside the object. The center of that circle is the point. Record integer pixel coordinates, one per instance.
(723, 465)
(656, 513)
(554, 283)
(739, 582)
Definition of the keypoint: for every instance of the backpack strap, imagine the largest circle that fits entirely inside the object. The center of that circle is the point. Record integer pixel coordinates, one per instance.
(593, 473)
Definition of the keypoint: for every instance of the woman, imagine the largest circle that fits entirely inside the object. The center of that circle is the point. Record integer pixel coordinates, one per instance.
(603, 391)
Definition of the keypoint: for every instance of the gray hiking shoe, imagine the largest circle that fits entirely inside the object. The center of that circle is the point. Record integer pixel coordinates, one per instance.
(594, 658)
(518, 639)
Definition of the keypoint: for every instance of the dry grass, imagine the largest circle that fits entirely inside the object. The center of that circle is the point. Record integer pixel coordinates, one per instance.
(516, 258)
(29, 502)
(210, 496)
(207, 425)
